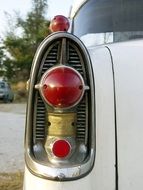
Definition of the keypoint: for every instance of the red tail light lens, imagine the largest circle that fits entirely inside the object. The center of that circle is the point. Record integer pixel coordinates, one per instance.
(61, 148)
(62, 87)
(59, 23)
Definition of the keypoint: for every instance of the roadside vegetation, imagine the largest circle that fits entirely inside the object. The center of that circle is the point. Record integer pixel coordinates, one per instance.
(21, 39)
(17, 49)
(20, 91)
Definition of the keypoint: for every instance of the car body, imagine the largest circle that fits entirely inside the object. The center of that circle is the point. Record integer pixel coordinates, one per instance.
(6, 93)
(111, 45)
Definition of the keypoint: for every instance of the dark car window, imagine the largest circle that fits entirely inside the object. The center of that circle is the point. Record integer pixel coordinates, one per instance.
(123, 19)
(2, 85)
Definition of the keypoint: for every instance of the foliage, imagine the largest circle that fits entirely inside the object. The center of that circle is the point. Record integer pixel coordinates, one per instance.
(21, 47)
(1, 61)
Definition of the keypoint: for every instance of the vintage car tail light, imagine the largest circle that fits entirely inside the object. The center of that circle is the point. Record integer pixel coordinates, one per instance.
(60, 125)
(62, 86)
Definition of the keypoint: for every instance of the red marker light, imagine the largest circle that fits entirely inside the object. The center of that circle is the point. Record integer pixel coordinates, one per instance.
(62, 87)
(61, 148)
(59, 23)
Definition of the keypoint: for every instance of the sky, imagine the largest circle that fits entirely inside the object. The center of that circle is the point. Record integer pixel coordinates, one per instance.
(56, 7)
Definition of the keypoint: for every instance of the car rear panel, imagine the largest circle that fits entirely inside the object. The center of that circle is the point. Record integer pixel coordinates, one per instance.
(128, 69)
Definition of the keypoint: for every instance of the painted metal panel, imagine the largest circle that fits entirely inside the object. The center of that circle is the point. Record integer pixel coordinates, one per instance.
(128, 68)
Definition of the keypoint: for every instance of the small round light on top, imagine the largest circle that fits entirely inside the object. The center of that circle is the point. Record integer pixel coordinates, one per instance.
(62, 87)
(59, 23)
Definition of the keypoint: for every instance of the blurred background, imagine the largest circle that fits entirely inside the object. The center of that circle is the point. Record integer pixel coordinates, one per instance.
(23, 25)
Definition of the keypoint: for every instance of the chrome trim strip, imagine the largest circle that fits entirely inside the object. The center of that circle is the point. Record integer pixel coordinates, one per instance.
(43, 169)
(59, 174)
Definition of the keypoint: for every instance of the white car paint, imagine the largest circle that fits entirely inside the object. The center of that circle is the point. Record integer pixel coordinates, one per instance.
(76, 6)
(102, 177)
(128, 69)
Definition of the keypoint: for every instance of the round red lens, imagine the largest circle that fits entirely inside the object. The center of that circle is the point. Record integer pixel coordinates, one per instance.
(61, 148)
(59, 23)
(62, 87)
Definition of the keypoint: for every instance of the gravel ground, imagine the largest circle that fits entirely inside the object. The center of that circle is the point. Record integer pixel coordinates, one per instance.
(11, 181)
(12, 121)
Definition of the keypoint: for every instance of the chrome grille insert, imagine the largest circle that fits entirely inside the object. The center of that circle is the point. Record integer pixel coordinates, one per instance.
(74, 59)
(51, 58)
(40, 119)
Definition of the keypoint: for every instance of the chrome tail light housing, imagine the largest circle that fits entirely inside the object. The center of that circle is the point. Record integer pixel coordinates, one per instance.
(60, 125)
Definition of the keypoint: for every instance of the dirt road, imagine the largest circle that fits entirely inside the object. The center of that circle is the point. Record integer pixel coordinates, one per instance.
(12, 121)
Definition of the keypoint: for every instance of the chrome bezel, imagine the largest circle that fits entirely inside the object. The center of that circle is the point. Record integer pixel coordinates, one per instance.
(52, 140)
(42, 168)
(59, 173)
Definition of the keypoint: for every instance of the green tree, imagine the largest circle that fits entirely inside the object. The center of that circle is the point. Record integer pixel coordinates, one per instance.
(1, 61)
(21, 47)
